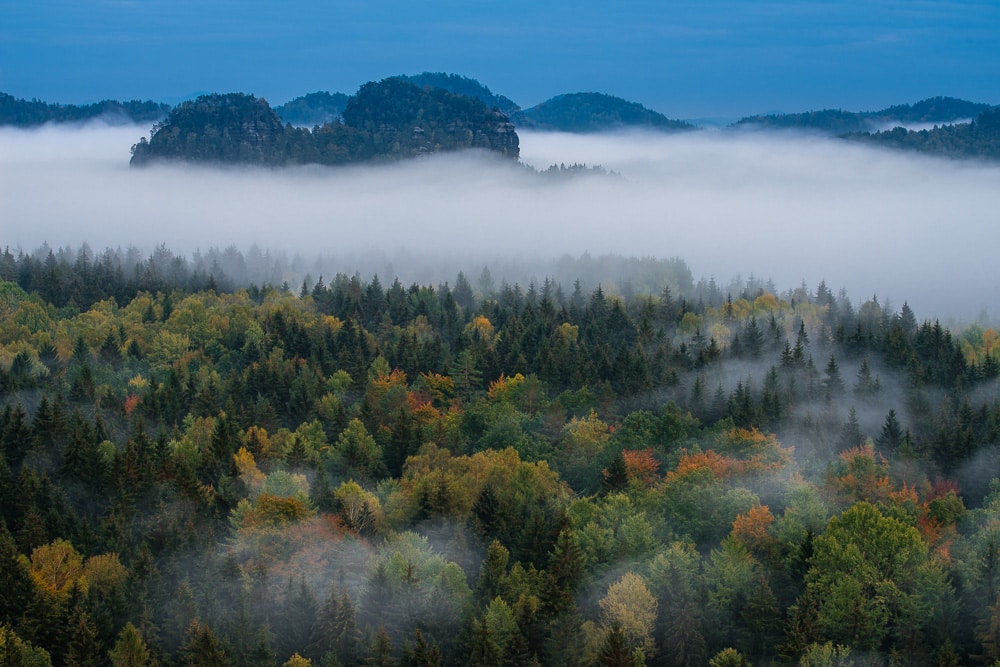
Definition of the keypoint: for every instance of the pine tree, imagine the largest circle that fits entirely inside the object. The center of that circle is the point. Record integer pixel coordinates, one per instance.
(129, 650)
(614, 478)
(492, 571)
(420, 654)
(566, 568)
(867, 384)
(850, 432)
(298, 621)
(485, 650)
(347, 636)
(379, 652)
(203, 649)
(891, 436)
(15, 582)
(833, 384)
(615, 650)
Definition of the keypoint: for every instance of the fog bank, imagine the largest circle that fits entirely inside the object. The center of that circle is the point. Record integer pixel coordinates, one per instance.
(778, 206)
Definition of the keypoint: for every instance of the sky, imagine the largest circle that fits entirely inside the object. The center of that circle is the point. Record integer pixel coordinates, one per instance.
(787, 207)
(793, 209)
(698, 59)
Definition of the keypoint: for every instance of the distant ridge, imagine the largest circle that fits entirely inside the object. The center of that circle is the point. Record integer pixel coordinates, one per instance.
(837, 121)
(31, 113)
(594, 112)
(436, 111)
(977, 139)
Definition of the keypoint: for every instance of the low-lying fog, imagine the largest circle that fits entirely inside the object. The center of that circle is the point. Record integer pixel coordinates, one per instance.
(779, 206)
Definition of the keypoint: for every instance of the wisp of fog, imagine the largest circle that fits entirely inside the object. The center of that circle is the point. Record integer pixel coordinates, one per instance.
(787, 207)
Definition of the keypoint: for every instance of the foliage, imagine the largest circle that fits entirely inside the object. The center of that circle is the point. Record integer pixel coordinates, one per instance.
(630, 606)
(195, 473)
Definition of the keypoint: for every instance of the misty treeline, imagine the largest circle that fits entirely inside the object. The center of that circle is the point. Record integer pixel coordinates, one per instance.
(979, 138)
(80, 277)
(352, 472)
(939, 110)
(32, 113)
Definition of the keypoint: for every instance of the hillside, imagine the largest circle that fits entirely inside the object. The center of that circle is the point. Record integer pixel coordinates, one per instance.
(233, 127)
(978, 139)
(837, 121)
(196, 472)
(390, 119)
(31, 113)
(401, 119)
(593, 112)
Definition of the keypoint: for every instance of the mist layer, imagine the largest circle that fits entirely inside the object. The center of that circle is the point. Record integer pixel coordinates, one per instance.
(785, 207)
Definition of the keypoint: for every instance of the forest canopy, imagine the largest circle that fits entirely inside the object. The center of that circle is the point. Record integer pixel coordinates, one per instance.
(197, 470)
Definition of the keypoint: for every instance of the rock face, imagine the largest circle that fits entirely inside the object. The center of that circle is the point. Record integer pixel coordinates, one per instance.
(215, 128)
(402, 119)
(387, 120)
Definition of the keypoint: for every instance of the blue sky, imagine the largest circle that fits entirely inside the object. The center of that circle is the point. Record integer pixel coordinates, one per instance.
(686, 59)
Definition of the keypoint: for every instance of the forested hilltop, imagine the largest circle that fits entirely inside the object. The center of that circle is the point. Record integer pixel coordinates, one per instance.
(961, 129)
(980, 138)
(390, 119)
(463, 85)
(352, 472)
(594, 112)
(575, 112)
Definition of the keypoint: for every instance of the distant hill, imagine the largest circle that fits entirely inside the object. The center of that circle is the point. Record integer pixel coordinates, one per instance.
(594, 112)
(978, 139)
(217, 128)
(837, 121)
(30, 113)
(402, 119)
(933, 110)
(462, 85)
(832, 121)
(313, 109)
(389, 119)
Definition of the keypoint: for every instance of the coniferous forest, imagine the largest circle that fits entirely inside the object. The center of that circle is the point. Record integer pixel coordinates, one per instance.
(201, 470)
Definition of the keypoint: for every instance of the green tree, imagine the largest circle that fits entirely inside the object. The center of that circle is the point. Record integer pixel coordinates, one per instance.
(676, 581)
(359, 449)
(616, 651)
(865, 573)
(729, 657)
(826, 655)
(15, 652)
(203, 649)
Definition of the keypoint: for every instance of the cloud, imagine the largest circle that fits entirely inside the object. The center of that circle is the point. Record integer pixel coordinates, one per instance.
(785, 207)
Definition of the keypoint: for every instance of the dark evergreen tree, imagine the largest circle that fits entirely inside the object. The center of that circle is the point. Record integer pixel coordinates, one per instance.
(203, 649)
(891, 436)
